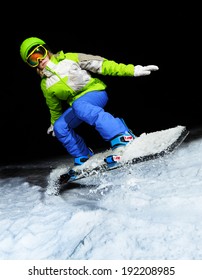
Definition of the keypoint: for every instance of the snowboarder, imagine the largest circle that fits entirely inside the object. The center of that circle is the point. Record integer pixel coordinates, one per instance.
(67, 77)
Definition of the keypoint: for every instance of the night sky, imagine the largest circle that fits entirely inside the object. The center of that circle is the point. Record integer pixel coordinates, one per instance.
(166, 98)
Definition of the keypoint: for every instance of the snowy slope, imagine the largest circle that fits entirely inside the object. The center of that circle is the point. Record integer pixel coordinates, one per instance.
(151, 210)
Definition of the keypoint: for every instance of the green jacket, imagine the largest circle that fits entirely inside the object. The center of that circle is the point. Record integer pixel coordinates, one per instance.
(67, 77)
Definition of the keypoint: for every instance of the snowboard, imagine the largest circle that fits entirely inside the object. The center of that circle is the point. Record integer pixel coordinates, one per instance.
(145, 147)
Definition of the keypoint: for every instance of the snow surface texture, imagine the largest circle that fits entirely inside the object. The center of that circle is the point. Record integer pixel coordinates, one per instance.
(151, 210)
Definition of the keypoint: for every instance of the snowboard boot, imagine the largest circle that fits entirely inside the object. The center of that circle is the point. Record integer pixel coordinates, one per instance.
(79, 161)
(117, 142)
(121, 140)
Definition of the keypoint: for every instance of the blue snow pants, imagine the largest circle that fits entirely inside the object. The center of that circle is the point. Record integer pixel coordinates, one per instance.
(88, 108)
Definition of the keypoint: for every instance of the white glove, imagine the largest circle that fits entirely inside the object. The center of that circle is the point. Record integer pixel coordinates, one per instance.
(50, 130)
(144, 70)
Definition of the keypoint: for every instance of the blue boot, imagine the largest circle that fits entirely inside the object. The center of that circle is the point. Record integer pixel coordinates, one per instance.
(118, 141)
(122, 140)
(78, 161)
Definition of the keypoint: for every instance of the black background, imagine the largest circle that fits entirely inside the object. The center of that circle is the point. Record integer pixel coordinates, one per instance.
(167, 36)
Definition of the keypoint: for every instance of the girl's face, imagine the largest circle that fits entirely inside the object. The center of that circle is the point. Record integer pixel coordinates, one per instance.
(43, 62)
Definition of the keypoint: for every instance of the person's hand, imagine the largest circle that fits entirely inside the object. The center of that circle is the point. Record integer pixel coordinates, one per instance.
(144, 70)
(50, 130)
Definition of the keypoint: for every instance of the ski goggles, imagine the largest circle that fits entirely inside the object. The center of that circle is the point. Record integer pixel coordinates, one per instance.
(39, 53)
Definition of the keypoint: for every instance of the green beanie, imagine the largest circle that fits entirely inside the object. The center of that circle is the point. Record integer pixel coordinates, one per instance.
(27, 44)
